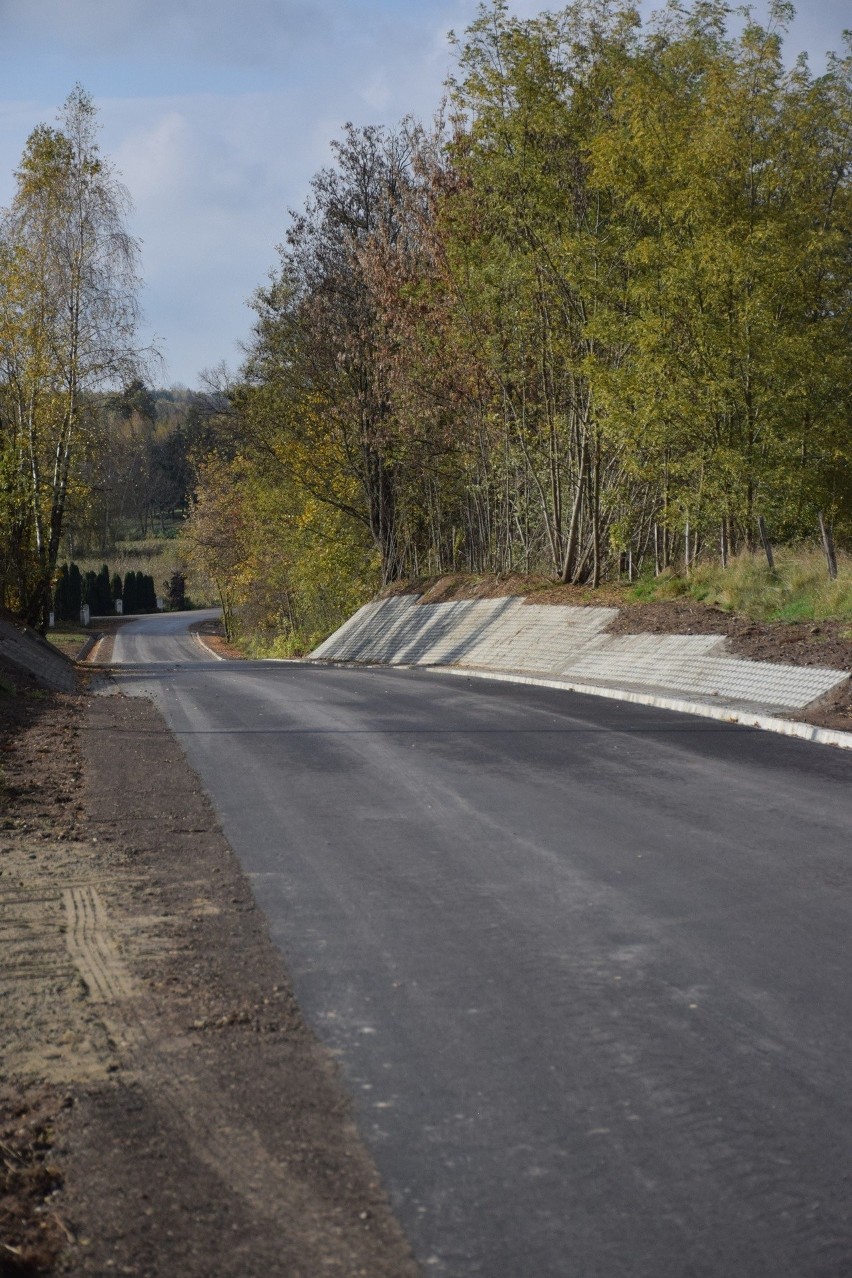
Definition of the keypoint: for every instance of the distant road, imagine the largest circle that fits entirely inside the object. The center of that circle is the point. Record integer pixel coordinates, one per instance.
(586, 965)
(161, 639)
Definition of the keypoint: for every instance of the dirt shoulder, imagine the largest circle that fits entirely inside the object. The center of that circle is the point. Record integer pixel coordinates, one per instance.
(164, 1109)
(212, 635)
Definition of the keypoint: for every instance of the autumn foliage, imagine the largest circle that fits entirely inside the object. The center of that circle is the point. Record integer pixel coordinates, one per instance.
(601, 309)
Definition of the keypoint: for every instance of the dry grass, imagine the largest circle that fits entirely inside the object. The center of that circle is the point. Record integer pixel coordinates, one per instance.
(158, 557)
(798, 590)
(67, 637)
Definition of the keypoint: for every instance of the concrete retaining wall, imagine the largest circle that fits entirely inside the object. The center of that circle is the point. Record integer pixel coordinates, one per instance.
(26, 650)
(569, 643)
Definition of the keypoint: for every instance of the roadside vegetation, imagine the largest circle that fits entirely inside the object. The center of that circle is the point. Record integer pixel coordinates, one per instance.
(68, 330)
(798, 589)
(91, 459)
(593, 324)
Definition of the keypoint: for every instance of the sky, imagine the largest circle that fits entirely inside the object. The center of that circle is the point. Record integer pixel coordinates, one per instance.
(217, 113)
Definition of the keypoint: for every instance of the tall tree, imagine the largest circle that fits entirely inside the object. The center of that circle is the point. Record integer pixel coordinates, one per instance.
(314, 361)
(737, 319)
(68, 326)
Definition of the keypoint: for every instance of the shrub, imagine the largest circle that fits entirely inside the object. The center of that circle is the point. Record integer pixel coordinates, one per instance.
(75, 591)
(129, 593)
(175, 590)
(148, 593)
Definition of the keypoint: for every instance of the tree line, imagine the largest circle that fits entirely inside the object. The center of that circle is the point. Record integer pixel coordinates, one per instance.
(102, 591)
(137, 479)
(598, 311)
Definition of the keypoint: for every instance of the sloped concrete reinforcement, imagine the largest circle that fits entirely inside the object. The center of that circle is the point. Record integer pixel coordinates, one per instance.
(24, 649)
(571, 644)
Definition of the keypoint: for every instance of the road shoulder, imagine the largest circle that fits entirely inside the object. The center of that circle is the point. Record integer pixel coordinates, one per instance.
(173, 1113)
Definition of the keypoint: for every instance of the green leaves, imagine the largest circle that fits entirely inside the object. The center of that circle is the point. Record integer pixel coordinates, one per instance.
(731, 165)
(68, 317)
(603, 307)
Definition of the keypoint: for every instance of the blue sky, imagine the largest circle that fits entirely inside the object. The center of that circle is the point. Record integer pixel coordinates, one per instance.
(217, 113)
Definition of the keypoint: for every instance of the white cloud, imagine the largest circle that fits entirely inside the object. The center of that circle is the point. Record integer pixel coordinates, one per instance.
(210, 178)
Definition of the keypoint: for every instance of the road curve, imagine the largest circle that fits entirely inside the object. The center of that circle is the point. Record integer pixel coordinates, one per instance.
(585, 964)
(162, 639)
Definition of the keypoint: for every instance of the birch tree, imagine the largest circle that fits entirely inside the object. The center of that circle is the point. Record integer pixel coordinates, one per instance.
(68, 326)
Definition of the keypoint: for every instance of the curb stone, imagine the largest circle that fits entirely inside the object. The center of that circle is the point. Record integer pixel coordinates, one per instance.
(569, 648)
(210, 651)
(89, 644)
(724, 714)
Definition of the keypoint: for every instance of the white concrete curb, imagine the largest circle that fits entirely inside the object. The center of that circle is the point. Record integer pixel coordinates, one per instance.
(210, 652)
(86, 653)
(726, 714)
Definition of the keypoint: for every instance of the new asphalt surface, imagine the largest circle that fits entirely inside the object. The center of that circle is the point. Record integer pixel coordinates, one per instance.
(585, 964)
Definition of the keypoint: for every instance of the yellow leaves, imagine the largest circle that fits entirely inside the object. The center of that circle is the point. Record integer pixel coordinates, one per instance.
(289, 563)
(617, 288)
(67, 317)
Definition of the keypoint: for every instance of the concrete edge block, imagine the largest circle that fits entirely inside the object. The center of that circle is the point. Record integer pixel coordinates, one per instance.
(725, 714)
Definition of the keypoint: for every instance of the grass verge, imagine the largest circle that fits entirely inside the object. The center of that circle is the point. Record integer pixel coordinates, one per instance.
(68, 638)
(799, 589)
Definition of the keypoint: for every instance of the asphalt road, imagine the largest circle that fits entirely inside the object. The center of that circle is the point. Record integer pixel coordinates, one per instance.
(585, 964)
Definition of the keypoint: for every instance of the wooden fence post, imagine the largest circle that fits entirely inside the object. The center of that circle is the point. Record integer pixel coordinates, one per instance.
(764, 537)
(828, 548)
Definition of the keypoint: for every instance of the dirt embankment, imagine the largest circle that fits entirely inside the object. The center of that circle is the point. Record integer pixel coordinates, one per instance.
(164, 1109)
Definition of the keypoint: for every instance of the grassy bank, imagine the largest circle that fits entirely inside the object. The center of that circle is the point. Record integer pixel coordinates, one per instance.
(798, 590)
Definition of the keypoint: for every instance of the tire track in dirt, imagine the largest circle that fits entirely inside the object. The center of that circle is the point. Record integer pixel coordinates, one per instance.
(91, 946)
(152, 1055)
(236, 1154)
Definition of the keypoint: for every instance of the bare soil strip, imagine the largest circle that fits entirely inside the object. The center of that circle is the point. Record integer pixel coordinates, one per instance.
(164, 1110)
